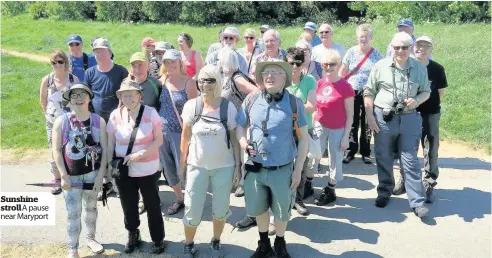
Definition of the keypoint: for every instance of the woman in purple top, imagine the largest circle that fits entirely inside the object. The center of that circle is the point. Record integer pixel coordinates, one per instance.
(177, 88)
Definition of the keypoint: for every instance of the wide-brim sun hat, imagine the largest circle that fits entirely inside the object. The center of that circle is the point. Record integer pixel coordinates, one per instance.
(128, 85)
(284, 65)
(66, 94)
(232, 31)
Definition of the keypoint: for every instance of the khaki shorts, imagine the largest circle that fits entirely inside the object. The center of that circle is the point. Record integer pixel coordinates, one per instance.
(270, 189)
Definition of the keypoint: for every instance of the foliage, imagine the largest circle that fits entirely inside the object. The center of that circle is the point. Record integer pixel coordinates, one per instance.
(158, 11)
(39, 10)
(71, 10)
(448, 12)
(115, 11)
(14, 8)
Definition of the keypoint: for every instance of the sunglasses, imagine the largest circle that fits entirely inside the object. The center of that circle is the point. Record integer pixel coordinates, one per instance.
(396, 48)
(266, 74)
(326, 65)
(297, 63)
(207, 81)
(250, 38)
(57, 62)
(228, 38)
(325, 32)
(78, 95)
(74, 44)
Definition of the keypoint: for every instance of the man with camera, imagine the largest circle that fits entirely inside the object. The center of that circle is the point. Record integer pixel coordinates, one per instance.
(397, 85)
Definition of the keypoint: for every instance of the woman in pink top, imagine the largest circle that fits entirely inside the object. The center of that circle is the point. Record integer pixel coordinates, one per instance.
(192, 60)
(334, 115)
(143, 163)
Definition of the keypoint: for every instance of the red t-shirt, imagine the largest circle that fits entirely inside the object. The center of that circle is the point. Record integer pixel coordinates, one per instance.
(330, 97)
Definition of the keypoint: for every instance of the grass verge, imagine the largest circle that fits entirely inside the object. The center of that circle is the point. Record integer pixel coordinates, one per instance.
(466, 106)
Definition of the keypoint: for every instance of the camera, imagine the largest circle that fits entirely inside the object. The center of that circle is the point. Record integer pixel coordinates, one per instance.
(399, 106)
(388, 114)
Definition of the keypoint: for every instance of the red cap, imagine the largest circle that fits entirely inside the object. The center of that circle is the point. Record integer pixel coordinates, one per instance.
(148, 41)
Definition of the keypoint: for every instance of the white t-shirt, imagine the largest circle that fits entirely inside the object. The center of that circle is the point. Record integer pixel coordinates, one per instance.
(208, 145)
(319, 51)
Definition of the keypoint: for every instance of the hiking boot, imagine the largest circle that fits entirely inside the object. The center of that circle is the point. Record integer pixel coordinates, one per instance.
(73, 254)
(95, 246)
(264, 250)
(327, 196)
(429, 192)
(134, 241)
(281, 248)
(366, 160)
(246, 222)
(400, 187)
(300, 207)
(56, 189)
(158, 247)
(216, 249)
(347, 158)
(420, 211)
(308, 189)
(189, 251)
(239, 191)
(271, 229)
(381, 202)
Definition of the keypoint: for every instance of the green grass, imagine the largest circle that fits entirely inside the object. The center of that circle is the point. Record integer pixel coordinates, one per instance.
(23, 122)
(464, 51)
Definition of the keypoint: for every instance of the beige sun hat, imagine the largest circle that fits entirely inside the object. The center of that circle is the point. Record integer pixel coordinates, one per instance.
(128, 85)
(282, 64)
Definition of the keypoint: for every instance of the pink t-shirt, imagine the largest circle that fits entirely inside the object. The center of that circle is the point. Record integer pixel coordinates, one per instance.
(330, 102)
(121, 129)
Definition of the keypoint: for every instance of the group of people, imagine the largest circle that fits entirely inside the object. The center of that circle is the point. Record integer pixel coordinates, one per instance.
(242, 119)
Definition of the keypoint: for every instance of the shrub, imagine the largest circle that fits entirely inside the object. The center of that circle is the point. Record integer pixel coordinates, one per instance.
(448, 12)
(15, 8)
(71, 10)
(39, 10)
(116, 11)
(162, 11)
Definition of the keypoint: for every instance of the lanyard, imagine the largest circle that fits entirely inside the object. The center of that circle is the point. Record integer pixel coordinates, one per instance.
(395, 98)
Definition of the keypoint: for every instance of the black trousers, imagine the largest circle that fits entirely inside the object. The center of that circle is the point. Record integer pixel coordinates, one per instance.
(365, 133)
(149, 187)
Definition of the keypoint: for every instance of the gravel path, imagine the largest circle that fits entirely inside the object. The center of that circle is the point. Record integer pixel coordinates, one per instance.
(458, 224)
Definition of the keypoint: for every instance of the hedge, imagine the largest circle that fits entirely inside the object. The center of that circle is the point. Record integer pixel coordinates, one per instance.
(284, 13)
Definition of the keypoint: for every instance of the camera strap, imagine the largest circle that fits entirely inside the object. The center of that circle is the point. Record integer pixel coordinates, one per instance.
(395, 91)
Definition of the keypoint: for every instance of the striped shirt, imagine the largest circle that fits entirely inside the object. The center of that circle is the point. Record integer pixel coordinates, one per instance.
(121, 129)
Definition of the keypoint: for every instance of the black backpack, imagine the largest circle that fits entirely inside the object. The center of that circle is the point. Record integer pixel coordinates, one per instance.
(224, 106)
(85, 60)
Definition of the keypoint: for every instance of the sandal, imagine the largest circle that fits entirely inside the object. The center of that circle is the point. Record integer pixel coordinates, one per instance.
(173, 209)
(141, 207)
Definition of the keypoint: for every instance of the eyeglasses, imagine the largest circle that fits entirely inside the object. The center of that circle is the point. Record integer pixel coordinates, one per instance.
(207, 81)
(78, 95)
(74, 44)
(228, 38)
(325, 32)
(160, 53)
(57, 62)
(263, 31)
(266, 74)
(419, 46)
(397, 48)
(250, 38)
(326, 65)
(297, 63)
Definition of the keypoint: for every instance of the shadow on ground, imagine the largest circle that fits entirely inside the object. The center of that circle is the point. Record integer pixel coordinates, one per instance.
(464, 163)
(468, 204)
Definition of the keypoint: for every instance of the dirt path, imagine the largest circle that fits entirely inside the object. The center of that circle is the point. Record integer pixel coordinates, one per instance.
(34, 57)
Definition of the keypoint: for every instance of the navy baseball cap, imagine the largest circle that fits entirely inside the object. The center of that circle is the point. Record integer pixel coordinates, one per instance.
(405, 22)
(74, 38)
